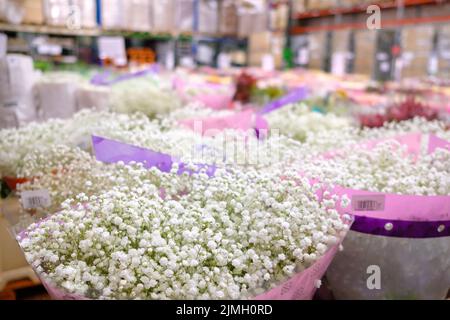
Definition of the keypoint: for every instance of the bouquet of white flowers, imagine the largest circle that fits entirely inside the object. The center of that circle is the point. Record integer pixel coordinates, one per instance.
(161, 235)
(149, 95)
(399, 242)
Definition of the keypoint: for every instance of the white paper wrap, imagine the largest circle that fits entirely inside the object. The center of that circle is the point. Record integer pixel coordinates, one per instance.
(17, 103)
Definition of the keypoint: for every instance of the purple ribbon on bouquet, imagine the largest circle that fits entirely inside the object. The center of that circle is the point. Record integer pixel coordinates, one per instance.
(294, 96)
(111, 151)
(401, 228)
(102, 79)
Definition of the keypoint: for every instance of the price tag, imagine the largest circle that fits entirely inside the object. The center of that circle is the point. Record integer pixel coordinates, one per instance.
(35, 199)
(368, 202)
(112, 48)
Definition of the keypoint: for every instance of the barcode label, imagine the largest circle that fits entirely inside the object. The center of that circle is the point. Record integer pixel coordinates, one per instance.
(35, 199)
(368, 203)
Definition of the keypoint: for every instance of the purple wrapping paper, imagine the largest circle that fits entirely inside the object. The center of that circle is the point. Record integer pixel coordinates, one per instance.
(294, 96)
(111, 151)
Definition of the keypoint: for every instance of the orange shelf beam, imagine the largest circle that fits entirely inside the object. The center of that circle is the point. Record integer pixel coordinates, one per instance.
(362, 8)
(384, 24)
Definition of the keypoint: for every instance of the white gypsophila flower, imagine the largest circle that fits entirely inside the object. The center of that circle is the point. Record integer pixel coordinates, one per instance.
(385, 168)
(148, 95)
(334, 139)
(193, 110)
(73, 132)
(296, 121)
(235, 235)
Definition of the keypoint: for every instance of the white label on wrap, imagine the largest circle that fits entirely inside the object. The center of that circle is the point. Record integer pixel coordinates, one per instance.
(368, 202)
(35, 199)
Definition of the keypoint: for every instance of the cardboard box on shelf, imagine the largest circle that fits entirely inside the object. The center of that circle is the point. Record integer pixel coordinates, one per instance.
(252, 19)
(34, 12)
(279, 16)
(88, 10)
(11, 11)
(112, 14)
(417, 46)
(184, 16)
(228, 18)
(443, 52)
(299, 6)
(208, 16)
(321, 4)
(163, 12)
(138, 15)
(266, 43)
(56, 12)
(341, 40)
(365, 48)
(70, 13)
(260, 41)
(317, 46)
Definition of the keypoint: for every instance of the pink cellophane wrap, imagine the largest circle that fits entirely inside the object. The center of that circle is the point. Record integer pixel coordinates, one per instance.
(213, 101)
(216, 101)
(410, 267)
(412, 142)
(300, 287)
(244, 121)
(436, 142)
(303, 285)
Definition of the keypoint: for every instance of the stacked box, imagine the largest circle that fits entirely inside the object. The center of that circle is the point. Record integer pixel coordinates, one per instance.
(443, 52)
(33, 12)
(163, 15)
(417, 46)
(228, 18)
(263, 43)
(252, 20)
(299, 6)
(279, 17)
(79, 13)
(365, 48)
(341, 53)
(322, 4)
(88, 11)
(56, 12)
(317, 49)
(112, 14)
(11, 11)
(184, 16)
(138, 15)
(208, 16)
